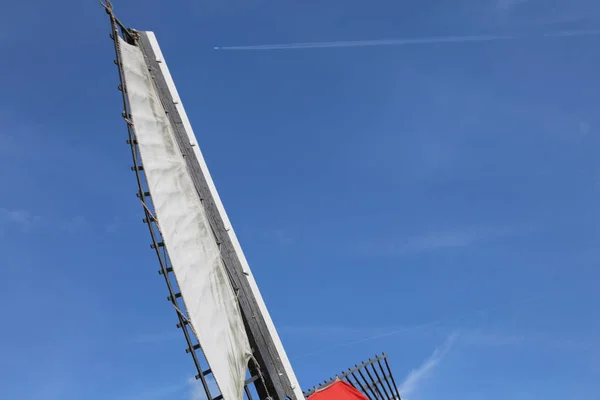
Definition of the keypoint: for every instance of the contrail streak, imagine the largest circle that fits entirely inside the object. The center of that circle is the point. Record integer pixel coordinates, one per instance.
(431, 324)
(403, 42)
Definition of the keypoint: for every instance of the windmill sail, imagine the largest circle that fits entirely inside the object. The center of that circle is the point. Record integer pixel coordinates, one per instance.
(276, 364)
(219, 307)
(196, 260)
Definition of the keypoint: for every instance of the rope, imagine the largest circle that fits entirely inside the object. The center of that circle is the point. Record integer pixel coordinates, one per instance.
(260, 375)
(151, 216)
(185, 319)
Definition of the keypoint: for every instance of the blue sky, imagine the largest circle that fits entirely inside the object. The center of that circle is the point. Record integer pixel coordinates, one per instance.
(437, 202)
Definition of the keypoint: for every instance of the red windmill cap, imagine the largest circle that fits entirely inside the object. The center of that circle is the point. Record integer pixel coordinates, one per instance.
(339, 390)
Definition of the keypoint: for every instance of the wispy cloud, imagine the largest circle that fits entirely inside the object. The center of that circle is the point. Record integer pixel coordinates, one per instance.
(508, 5)
(425, 370)
(26, 221)
(156, 337)
(167, 391)
(440, 326)
(334, 332)
(401, 42)
(19, 219)
(282, 237)
(191, 389)
(444, 239)
(479, 337)
(527, 13)
(113, 226)
(584, 128)
(439, 240)
(368, 43)
(386, 333)
(456, 238)
(196, 389)
(74, 224)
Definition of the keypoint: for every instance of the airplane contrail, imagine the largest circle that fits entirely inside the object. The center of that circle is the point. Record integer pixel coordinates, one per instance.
(403, 42)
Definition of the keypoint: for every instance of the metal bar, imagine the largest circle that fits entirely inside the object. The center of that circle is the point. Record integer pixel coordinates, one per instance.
(386, 380)
(370, 386)
(362, 388)
(380, 382)
(247, 389)
(349, 382)
(252, 379)
(391, 376)
(380, 395)
(374, 386)
(248, 394)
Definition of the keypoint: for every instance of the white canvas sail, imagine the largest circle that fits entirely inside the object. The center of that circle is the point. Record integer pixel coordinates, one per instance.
(281, 354)
(195, 257)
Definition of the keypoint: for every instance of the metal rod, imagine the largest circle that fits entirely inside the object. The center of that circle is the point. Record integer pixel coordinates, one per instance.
(248, 394)
(362, 388)
(391, 376)
(380, 395)
(380, 382)
(386, 380)
(375, 396)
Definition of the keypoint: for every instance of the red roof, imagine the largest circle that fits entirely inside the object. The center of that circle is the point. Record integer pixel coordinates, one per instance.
(339, 390)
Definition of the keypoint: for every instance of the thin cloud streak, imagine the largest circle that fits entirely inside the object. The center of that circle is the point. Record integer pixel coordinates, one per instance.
(439, 240)
(458, 238)
(427, 325)
(496, 339)
(508, 5)
(22, 219)
(156, 337)
(416, 376)
(365, 43)
(445, 240)
(26, 222)
(168, 391)
(404, 42)
(196, 389)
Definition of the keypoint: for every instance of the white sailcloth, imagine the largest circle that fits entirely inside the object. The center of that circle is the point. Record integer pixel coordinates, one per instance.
(280, 351)
(205, 287)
